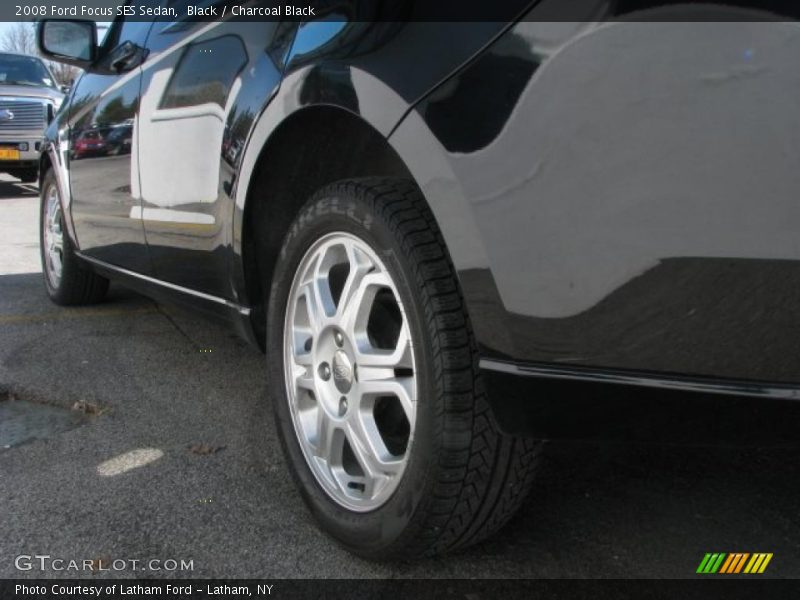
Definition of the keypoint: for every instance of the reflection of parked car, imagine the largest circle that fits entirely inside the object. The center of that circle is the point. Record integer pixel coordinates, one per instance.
(118, 141)
(89, 143)
(29, 98)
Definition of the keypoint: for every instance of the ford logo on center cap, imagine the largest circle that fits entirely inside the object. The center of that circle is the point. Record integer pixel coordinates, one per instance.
(6, 115)
(342, 371)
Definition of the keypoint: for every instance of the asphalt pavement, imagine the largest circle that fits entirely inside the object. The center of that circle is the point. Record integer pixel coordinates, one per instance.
(165, 450)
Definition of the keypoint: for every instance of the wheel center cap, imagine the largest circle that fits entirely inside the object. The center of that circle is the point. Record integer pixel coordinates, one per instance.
(342, 371)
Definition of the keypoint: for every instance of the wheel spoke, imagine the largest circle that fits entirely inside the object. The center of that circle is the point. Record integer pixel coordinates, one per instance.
(371, 454)
(314, 307)
(360, 265)
(326, 446)
(354, 315)
(400, 357)
(304, 359)
(304, 378)
(402, 388)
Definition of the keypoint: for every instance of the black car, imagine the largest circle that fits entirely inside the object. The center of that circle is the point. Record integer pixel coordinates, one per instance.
(437, 230)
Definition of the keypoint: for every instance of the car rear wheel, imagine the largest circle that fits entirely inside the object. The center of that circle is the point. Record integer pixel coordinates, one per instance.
(376, 387)
(67, 280)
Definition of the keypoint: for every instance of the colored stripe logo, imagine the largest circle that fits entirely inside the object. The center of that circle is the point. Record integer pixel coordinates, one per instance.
(734, 563)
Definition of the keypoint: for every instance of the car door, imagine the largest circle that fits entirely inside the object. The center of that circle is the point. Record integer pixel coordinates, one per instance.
(200, 96)
(104, 185)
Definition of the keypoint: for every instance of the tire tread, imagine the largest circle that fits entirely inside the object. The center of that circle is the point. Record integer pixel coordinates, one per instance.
(483, 476)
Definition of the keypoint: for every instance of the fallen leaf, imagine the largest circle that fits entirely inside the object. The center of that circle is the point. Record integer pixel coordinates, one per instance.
(205, 449)
(88, 408)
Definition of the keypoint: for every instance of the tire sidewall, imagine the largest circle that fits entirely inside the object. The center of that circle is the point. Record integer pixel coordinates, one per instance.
(48, 181)
(68, 259)
(372, 532)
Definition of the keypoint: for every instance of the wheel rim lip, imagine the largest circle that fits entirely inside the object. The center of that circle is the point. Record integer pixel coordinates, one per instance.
(53, 234)
(332, 490)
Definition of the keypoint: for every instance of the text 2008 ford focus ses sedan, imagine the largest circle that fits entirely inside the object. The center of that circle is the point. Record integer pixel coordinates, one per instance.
(434, 229)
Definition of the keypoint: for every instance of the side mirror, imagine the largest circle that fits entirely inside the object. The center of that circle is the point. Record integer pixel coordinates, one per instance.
(65, 89)
(69, 42)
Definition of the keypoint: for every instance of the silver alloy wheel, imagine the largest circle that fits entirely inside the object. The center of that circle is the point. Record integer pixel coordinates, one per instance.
(349, 370)
(53, 237)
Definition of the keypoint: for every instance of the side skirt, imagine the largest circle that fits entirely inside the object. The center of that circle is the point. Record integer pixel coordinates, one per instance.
(233, 314)
(552, 402)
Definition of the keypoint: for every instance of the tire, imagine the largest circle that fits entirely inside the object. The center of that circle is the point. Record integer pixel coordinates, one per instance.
(74, 283)
(462, 479)
(27, 175)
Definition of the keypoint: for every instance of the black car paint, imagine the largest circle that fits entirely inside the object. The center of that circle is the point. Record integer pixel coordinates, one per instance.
(100, 186)
(616, 211)
(649, 227)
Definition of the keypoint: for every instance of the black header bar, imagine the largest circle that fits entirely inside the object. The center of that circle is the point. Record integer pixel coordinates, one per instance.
(402, 10)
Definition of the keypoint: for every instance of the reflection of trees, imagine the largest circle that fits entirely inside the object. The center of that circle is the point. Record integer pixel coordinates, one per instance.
(204, 92)
(78, 104)
(21, 38)
(329, 83)
(116, 111)
(240, 125)
(205, 73)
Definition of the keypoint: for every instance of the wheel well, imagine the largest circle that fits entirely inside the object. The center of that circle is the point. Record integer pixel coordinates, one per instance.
(313, 148)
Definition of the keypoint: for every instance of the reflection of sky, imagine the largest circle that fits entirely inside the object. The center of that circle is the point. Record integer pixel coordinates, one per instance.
(314, 34)
(102, 29)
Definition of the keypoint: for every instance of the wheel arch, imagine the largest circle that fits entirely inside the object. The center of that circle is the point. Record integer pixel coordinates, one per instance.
(312, 147)
(50, 159)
